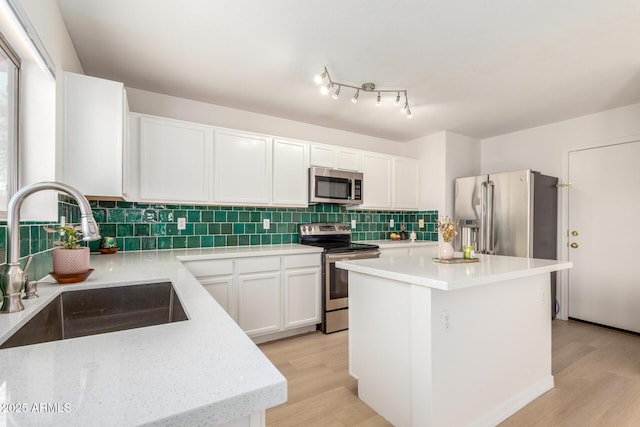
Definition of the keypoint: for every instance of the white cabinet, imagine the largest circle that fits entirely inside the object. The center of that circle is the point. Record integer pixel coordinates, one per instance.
(94, 134)
(290, 173)
(334, 157)
(376, 169)
(242, 168)
(175, 161)
(268, 296)
(259, 303)
(405, 183)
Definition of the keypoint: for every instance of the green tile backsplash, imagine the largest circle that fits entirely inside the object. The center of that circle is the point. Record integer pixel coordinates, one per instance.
(139, 226)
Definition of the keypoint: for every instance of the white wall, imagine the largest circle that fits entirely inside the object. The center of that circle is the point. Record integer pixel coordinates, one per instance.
(444, 156)
(156, 104)
(545, 148)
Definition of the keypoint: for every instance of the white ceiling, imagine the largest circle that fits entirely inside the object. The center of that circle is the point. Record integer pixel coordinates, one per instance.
(479, 68)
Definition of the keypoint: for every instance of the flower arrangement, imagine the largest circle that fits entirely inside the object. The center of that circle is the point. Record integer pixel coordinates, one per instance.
(70, 236)
(447, 228)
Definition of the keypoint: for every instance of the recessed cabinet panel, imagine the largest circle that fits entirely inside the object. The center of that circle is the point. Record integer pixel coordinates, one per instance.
(93, 128)
(174, 161)
(220, 289)
(259, 303)
(405, 183)
(324, 156)
(290, 173)
(376, 169)
(350, 160)
(302, 297)
(242, 168)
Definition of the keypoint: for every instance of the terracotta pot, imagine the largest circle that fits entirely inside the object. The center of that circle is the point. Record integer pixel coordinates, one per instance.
(70, 261)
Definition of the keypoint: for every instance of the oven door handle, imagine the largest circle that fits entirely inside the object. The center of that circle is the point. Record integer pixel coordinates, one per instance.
(354, 256)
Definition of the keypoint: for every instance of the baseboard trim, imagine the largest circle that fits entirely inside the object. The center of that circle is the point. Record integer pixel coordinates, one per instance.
(515, 403)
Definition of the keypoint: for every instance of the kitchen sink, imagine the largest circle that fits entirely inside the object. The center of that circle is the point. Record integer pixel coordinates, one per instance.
(85, 312)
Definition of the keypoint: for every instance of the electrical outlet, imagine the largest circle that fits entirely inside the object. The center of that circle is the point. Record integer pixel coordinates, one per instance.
(445, 321)
(353, 224)
(266, 223)
(392, 223)
(182, 223)
(421, 223)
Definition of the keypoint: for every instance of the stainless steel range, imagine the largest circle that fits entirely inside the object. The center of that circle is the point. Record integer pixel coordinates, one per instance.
(335, 238)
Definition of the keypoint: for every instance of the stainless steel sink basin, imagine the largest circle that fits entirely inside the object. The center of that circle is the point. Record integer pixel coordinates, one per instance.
(97, 311)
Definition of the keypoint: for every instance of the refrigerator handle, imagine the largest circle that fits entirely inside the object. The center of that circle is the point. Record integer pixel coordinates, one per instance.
(489, 229)
(483, 216)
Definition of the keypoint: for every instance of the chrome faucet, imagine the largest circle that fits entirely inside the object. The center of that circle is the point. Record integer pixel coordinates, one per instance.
(12, 280)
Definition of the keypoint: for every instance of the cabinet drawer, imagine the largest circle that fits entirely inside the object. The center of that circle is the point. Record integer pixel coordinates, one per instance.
(299, 261)
(208, 267)
(258, 264)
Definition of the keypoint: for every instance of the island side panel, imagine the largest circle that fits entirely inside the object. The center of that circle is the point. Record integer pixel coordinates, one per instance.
(494, 356)
(380, 344)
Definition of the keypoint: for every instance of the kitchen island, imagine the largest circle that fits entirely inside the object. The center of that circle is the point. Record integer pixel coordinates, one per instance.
(202, 371)
(449, 344)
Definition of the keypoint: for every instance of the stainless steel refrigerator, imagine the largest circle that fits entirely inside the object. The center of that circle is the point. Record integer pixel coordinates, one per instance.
(510, 213)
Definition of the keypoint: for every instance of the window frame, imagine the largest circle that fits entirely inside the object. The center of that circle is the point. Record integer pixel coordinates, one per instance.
(13, 149)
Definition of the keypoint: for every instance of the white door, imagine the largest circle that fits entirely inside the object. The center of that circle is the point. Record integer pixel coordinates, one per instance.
(302, 297)
(604, 202)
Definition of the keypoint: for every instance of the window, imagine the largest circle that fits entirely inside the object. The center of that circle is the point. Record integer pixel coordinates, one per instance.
(9, 73)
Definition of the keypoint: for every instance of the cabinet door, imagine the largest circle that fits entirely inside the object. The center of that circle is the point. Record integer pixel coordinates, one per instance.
(93, 128)
(376, 169)
(259, 303)
(349, 160)
(290, 173)
(175, 160)
(405, 183)
(220, 289)
(302, 297)
(324, 156)
(242, 168)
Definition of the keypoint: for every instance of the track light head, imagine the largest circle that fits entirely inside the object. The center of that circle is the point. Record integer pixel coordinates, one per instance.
(397, 102)
(409, 113)
(325, 89)
(355, 96)
(320, 77)
(404, 108)
(336, 93)
(378, 99)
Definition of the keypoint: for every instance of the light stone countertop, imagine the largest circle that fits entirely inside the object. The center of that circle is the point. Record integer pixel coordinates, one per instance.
(418, 268)
(203, 371)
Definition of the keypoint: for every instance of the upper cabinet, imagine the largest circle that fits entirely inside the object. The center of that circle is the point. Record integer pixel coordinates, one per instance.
(376, 192)
(405, 183)
(94, 134)
(290, 173)
(333, 157)
(175, 160)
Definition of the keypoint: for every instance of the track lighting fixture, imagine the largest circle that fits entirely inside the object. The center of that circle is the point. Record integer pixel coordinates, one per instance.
(366, 87)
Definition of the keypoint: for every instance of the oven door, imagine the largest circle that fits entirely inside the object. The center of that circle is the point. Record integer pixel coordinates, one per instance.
(336, 280)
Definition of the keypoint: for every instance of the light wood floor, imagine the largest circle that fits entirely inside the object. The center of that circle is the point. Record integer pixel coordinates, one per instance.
(596, 370)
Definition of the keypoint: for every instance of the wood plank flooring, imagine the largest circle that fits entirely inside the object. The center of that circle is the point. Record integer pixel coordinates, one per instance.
(596, 370)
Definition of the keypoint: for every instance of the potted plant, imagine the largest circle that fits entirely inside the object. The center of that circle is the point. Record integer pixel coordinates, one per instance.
(69, 257)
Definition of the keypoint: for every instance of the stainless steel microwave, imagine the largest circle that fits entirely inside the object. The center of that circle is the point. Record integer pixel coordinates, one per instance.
(335, 186)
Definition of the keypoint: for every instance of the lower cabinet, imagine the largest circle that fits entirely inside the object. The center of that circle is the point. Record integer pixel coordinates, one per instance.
(265, 295)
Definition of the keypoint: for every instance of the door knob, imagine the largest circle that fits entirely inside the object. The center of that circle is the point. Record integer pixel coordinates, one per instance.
(574, 233)
(574, 245)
